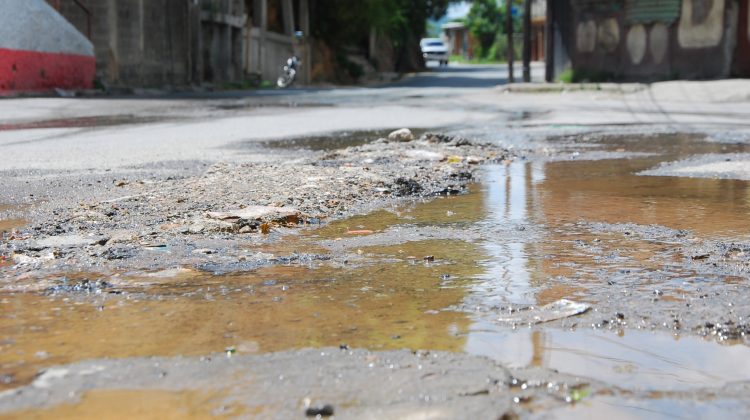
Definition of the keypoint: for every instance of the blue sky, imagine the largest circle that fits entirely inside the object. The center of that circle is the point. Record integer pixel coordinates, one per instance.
(458, 10)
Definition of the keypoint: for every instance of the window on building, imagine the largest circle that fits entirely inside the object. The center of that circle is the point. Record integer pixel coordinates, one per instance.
(276, 16)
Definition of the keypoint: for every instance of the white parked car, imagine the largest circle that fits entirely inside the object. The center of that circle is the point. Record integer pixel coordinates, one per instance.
(434, 49)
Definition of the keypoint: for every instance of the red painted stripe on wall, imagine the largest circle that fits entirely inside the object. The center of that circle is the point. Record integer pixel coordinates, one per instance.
(39, 71)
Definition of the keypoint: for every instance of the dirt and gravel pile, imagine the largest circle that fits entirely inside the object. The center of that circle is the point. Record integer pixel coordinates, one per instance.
(233, 206)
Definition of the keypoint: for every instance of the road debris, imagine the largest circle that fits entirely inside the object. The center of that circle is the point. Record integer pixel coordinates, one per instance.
(559, 309)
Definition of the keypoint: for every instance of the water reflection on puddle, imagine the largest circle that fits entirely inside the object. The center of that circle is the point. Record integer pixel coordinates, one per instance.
(662, 408)
(524, 266)
(80, 122)
(635, 360)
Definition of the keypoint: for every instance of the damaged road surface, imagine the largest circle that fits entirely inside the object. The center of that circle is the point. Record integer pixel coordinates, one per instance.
(443, 273)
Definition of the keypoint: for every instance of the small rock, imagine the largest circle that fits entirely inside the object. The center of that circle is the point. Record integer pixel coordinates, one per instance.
(22, 259)
(69, 241)
(196, 228)
(255, 213)
(473, 160)
(319, 410)
(245, 229)
(403, 134)
(206, 251)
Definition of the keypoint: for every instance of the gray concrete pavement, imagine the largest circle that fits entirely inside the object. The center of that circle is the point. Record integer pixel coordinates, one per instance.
(145, 130)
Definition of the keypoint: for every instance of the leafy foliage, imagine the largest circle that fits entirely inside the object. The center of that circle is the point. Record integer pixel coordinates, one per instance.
(485, 20)
(345, 25)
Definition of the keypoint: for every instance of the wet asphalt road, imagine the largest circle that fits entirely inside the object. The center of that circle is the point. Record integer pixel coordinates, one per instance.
(105, 134)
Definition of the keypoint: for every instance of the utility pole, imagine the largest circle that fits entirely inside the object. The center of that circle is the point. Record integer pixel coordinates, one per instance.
(509, 34)
(549, 40)
(527, 41)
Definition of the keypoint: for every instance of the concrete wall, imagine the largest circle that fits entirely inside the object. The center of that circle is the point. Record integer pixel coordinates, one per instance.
(159, 43)
(267, 46)
(697, 44)
(40, 50)
(137, 42)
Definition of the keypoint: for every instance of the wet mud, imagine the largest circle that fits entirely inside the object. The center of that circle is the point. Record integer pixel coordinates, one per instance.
(8, 226)
(662, 262)
(293, 384)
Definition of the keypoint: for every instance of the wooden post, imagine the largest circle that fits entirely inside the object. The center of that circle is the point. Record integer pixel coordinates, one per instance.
(509, 34)
(527, 41)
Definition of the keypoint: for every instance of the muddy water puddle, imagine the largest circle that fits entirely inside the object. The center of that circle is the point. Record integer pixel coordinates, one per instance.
(633, 360)
(522, 237)
(81, 122)
(135, 404)
(274, 309)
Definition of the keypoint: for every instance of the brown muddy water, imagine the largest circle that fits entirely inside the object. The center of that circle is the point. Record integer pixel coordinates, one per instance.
(518, 241)
(147, 404)
(80, 122)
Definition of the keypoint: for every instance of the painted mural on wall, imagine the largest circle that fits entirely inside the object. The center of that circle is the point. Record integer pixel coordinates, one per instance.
(643, 26)
(701, 23)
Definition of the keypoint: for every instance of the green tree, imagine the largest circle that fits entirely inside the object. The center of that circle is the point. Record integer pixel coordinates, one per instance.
(344, 25)
(485, 21)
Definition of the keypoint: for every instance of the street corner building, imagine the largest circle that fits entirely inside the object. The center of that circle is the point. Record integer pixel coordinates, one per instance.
(40, 50)
(651, 40)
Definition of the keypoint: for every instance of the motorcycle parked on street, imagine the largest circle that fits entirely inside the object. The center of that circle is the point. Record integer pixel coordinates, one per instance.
(290, 72)
(292, 65)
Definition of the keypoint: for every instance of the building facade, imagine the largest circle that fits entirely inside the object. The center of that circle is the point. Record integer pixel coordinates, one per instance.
(650, 40)
(157, 43)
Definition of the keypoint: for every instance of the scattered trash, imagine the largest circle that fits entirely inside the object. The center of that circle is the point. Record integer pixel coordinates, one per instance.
(424, 155)
(404, 187)
(562, 308)
(265, 228)
(284, 214)
(577, 395)
(65, 93)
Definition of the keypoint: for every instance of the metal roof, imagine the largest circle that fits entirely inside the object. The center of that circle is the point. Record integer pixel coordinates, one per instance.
(648, 11)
